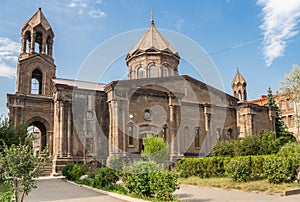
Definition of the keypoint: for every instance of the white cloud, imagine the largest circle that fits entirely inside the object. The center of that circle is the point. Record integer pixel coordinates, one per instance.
(9, 51)
(97, 13)
(87, 7)
(99, 1)
(280, 19)
(7, 71)
(179, 23)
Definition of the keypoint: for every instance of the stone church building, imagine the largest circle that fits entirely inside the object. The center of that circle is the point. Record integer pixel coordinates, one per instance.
(85, 121)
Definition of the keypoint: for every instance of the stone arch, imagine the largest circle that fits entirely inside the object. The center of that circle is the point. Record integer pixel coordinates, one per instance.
(165, 70)
(26, 39)
(36, 81)
(141, 73)
(43, 126)
(152, 70)
(144, 130)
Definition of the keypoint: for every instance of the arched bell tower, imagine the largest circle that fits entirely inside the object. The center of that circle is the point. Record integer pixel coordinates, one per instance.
(36, 67)
(33, 101)
(238, 86)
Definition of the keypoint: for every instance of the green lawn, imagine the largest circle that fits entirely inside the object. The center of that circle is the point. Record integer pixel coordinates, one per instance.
(260, 185)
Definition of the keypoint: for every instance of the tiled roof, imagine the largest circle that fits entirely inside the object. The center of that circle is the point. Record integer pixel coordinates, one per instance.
(238, 79)
(38, 19)
(152, 41)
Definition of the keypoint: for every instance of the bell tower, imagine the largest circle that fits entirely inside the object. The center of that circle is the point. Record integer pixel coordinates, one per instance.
(238, 86)
(36, 67)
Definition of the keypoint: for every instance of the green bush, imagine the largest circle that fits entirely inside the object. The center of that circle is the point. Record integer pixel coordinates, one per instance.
(104, 178)
(6, 196)
(163, 183)
(66, 170)
(290, 149)
(155, 149)
(72, 171)
(202, 167)
(225, 148)
(137, 178)
(262, 144)
(238, 170)
(281, 169)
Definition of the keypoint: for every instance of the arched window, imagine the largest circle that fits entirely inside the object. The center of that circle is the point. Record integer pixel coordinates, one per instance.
(153, 71)
(141, 73)
(38, 42)
(197, 137)
(229, 134)
(245, 95)
(219, 133)
(240, 95)
(186, 137)
(36, 82)
(164, 71)
(130, 135)
(164, 133)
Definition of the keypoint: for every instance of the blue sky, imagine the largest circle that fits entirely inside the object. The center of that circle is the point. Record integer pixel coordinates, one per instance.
(258, 37)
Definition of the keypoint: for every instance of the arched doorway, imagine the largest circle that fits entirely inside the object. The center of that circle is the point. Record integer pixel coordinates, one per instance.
(38, 132)
(144, 131)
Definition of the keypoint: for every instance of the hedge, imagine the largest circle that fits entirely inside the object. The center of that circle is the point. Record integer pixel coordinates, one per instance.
(275, 168)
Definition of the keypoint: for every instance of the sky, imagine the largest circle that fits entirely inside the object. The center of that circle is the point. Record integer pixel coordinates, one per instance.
(259, 37)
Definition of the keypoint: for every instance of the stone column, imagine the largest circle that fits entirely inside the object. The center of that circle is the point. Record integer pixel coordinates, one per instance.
(69, 138)
(23, 44)
(50, 142)
(61, 130)
(56, 133)
(172, 132)
(110, 136)
(50, 47)
(44, 42)
(32, 43)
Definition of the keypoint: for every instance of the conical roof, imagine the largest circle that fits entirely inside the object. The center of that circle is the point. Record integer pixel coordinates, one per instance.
(238, 79)
(38, 19)
(152, 41)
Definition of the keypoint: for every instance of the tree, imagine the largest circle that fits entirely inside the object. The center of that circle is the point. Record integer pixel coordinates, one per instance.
(155, 149)
(282, 134)
(270, 99)
(291, 86)
(20, 167)
(9, 135)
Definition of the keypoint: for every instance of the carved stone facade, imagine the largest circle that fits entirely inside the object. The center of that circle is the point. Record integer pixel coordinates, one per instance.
(83, 121)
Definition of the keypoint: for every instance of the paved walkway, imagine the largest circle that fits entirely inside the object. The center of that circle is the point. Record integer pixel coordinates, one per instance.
(207, 194)
(58, 190)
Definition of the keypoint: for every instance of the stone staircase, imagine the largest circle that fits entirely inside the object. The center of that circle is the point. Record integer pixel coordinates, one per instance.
(46, 170)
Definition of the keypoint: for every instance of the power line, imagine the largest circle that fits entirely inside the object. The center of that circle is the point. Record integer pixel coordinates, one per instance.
(230, 48)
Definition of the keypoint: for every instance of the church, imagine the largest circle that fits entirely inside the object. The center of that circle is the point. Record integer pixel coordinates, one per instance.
(82, 121)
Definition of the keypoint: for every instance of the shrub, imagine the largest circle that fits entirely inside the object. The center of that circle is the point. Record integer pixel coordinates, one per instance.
(202, 167)
(155, 149)
(72, 171)
(163, 184)
(6, 196)
(290, 149)
(105, 178)
(137, 178)
(238, 170)
(225, 148)
(262, 144)
(66, 170)
(281, 169)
